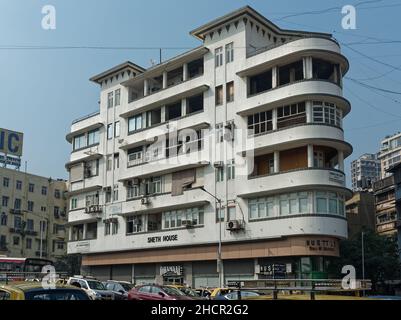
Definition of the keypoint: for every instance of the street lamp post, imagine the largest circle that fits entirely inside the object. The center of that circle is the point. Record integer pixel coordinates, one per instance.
(219, 260)
(363, 262)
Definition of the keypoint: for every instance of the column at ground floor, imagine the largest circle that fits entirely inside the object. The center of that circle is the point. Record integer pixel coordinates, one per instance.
(204, 273)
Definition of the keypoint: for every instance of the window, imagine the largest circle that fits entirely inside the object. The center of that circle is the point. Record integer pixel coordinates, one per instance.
(117, 95)
(156, 185)
(325, 112)
(135, 156)
(218, 56)
(30, 206)
(220, 174)
(179, 218)
(17, 223)
(56, 212)
(79, 142)
(330, 202)
(115, 192)
(220, 216)
(114, 227)
(44, 191)
(91, 230)
(29, 225)
(107, 228)
(28, 243)
(219, 133)
(117, 129)
(16, 241)
(31, 187)
(326, 70)
(293, 203)
(17, 204)
(43, 209)
(291, 115)
(219, 95)
(260, 82)
(230, 91)
(93, 137)
(3, 219)
(153, 117)
(290, 73)
(109, 131)
(134, 224)
(109, 162)
(231, 170)
(154, 222)
(194, 104)
(260, 122)
(318, 159)
(108, 195)
(57, 194)
(18, 185)
(229, 52)
(6, 182)
(135, 123)
(116, 161)
(74, 203)
(110, 100)
(173, 111)
(5, 201)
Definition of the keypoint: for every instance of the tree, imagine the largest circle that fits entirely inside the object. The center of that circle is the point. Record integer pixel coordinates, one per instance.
(70, 264)
(382, 261)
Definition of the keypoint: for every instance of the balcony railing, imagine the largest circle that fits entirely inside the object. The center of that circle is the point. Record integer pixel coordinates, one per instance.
(86, 117)
(95, 208)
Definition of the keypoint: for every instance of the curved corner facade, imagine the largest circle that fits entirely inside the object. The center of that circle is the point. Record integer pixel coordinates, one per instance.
(238, 142)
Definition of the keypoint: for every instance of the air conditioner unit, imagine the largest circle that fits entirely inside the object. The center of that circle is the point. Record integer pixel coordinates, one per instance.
(218, 164)
(187, 223)
(145, 200)
(228, 135)
(234, 225)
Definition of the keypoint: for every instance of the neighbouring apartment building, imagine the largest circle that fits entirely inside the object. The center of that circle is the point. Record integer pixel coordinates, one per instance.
(386, 215)
(390, 153)
(33, 214)
(396, 171)
(360, 211)
(148, 209)
(365, 171)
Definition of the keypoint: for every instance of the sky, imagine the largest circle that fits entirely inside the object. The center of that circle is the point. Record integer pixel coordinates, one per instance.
(44, 90)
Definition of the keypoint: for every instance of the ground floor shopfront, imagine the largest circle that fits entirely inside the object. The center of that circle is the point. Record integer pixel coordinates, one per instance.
(196, 266)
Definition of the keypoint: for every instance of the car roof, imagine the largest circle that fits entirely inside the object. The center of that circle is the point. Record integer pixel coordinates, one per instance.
(28, 286)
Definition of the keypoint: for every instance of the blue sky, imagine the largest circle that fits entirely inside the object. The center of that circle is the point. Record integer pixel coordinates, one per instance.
(44, 90)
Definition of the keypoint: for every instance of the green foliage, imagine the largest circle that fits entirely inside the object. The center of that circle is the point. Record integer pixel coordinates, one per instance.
(382, 260)
(69, 263)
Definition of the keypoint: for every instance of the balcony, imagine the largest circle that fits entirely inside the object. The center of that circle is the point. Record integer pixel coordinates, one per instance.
(165, 201)
(300, 134)
(294, 92)
(16, 211)
(269, 56)
(165, 96)
(298, 179)
(95, 208)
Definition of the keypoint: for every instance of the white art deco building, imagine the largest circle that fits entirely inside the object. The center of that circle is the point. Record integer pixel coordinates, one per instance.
(152, 214)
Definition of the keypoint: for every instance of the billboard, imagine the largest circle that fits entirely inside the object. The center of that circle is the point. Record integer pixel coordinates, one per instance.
(11, 142)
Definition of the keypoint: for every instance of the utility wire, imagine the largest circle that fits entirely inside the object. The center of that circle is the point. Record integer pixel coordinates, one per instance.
(372, 87)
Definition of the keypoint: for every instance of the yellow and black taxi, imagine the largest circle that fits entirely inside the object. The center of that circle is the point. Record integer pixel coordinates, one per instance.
(36, 291)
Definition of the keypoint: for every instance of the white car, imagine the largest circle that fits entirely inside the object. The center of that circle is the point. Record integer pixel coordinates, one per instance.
(93, 288)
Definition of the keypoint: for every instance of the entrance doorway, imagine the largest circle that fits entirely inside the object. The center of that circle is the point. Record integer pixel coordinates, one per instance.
(174, 280)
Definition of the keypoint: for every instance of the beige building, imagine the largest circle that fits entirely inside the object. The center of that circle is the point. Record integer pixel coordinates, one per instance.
(27, 203)
(360, 211)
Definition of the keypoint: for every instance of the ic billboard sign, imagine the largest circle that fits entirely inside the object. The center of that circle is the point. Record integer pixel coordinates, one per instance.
(11, 142)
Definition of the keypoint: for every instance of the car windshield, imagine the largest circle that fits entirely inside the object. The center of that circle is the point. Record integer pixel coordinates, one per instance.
(127, 286)
(173, 291)
(96, 285)
(234, 295)
(190, 292)
(64, 294)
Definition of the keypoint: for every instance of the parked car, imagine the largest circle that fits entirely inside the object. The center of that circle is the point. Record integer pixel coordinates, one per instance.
(35, 291)
(217, 292)
(94, 288)
(120, 289)
(188, 292)
(204, 292)
(156, 292)
(234, 295)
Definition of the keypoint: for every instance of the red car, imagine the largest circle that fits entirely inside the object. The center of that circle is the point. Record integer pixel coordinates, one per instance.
(156, 292)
